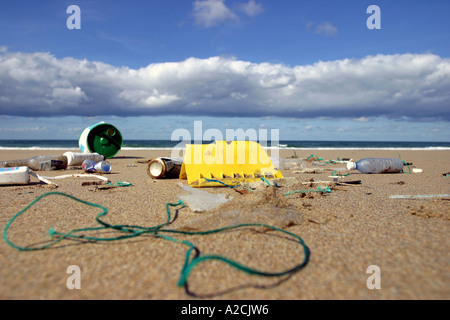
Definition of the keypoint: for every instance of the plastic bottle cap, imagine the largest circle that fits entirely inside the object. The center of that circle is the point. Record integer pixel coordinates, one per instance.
(351, 165)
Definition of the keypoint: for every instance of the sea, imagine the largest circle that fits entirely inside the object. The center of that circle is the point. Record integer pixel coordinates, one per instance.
(168, 144)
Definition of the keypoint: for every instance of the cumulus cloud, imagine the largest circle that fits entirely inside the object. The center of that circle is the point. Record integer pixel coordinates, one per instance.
(212, 12)
(209, 13)
(403, 86)
(250, 8)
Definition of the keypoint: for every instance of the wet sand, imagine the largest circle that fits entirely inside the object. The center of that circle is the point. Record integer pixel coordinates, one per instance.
(347, 230)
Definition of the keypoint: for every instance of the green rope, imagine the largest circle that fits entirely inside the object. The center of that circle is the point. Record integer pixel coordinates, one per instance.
(121, 184)
(404, 163)
(221, 182)
(266, 181)
(407, 166)
(313, 157)
(339, 174)
(157, 231)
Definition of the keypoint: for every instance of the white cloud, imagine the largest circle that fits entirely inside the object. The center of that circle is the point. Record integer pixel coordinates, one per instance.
(209, 13)
(407, 86)
(361, 119)
(68, 96)
(251, 8)
(326, 29)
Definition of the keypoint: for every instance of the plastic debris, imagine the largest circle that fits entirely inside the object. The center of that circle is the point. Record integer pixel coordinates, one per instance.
(314, 170)
(38, 163)
(420, 196)
(76, 159)
(47, 179)
(226, 162)
(200, 201)
(377, 165)
(275, 216)
(102, 138)
(99, 167)
(12, 176)
(324, 189)
(290, 163)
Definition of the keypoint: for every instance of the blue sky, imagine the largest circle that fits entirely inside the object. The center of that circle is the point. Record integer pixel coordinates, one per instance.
(312, 69)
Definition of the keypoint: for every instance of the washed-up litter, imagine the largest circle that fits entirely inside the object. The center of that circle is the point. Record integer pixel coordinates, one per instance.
(162, 232)
(12, 176)
(38, 163)
(266, 205)
(314, 170)
(76, 159)
(226, 163)
(201, 201)
(313, 157)
(277, 217)
(289, 164)
(53, 162)
(21, 176)
(102, 138)
(377, 165)
(164, 168)
(343, 160)
(319, 189)
(353, 182)
(318, 182)
(101, 178)
(109, 185)
(96, 167)
(425, 196)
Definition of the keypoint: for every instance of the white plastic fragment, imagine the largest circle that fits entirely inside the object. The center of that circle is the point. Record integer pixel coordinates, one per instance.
(200, 201)
(420, 196)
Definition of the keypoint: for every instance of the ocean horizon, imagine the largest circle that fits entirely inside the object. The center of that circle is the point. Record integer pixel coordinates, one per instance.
(284, 144)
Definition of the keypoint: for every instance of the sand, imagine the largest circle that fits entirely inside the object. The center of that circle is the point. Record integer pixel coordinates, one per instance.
(347, 230)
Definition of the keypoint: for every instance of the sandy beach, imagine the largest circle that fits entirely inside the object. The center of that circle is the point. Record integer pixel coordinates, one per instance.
(347, 230)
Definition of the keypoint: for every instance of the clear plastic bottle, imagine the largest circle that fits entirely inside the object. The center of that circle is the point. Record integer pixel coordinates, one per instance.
(38, 163)
(377, 165)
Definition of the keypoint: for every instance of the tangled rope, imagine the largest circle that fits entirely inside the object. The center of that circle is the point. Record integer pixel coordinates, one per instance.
(129, 231)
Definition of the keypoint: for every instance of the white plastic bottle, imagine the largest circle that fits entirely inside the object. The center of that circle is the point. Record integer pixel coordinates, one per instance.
(377, 165)
(76, 159)
(16, 175)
